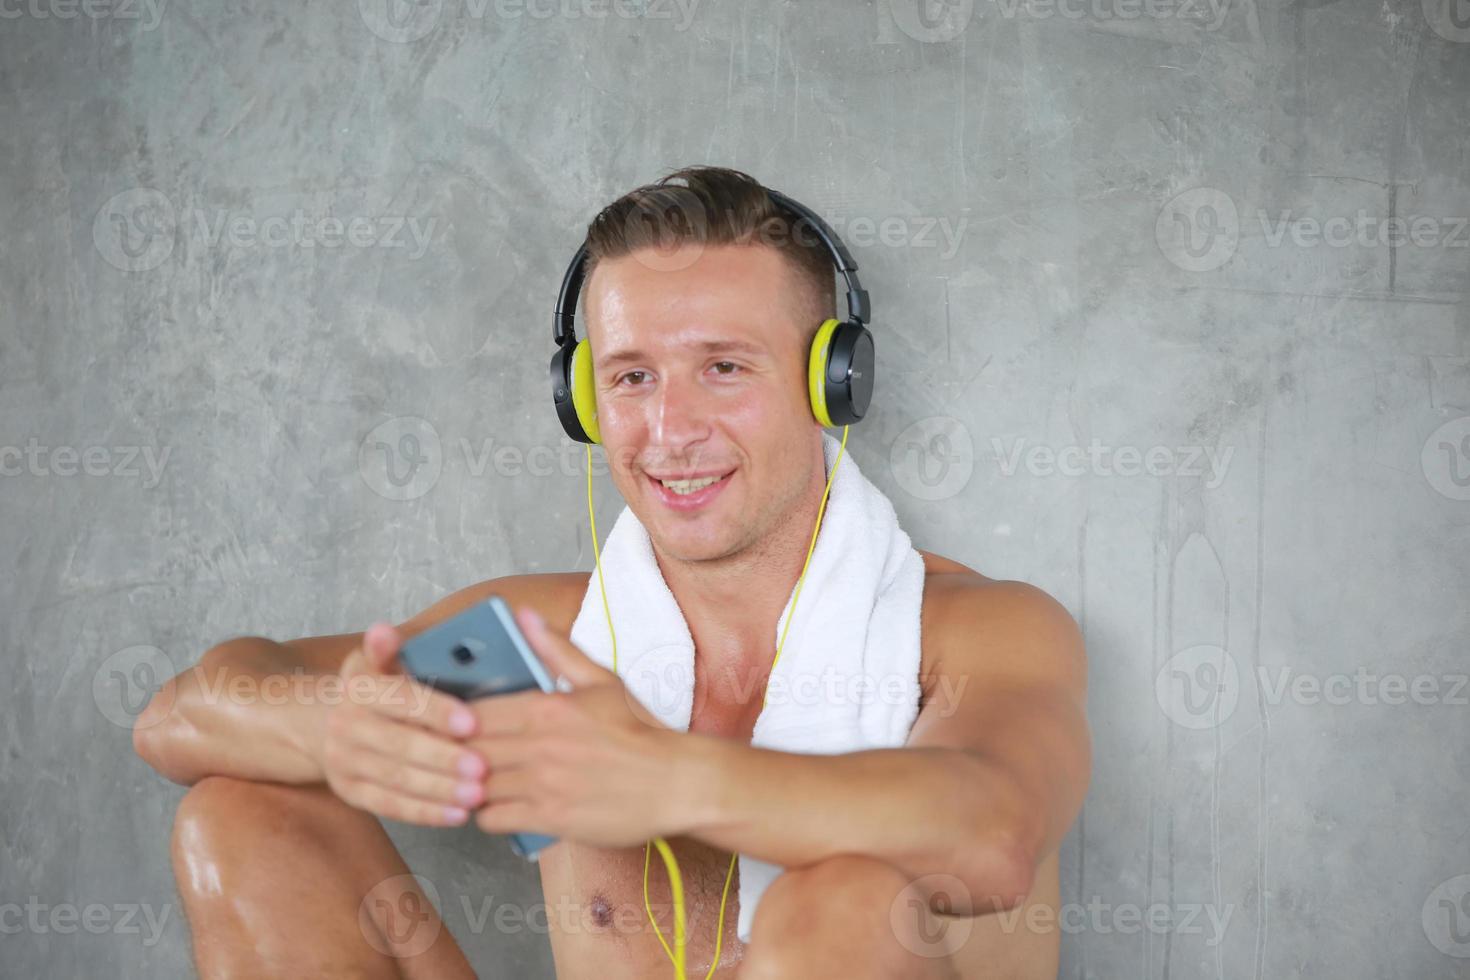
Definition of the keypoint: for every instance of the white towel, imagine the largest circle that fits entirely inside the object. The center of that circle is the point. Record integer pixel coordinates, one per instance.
(848, 677)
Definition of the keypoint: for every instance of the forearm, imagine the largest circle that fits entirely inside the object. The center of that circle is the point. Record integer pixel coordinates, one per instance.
(924, 810)
(249, 709)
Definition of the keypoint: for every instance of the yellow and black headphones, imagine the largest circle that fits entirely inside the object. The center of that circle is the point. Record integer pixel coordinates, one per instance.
(840, 386)
(840, 366)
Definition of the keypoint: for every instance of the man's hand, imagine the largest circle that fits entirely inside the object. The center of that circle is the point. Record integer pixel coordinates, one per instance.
(392, 745)
(591, 765)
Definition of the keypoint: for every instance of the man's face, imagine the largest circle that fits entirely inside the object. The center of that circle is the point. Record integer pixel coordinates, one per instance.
(700, 368)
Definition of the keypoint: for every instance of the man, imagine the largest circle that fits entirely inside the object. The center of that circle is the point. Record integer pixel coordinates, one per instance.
(922, 860)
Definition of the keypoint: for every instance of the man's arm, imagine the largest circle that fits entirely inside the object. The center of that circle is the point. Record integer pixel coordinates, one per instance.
(194, 726)
(993, 775)
(273, 724)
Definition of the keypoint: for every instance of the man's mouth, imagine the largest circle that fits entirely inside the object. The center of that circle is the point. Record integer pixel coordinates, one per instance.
(683, 487)
(689, 492)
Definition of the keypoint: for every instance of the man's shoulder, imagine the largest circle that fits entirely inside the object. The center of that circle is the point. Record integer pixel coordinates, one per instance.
(966, 615)
(557, 596)
(950, 586)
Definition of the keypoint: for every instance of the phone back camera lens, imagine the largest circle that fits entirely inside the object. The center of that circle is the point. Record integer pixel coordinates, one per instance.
(462, 654)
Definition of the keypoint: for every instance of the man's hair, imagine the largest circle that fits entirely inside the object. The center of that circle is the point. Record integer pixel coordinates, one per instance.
(717, 206)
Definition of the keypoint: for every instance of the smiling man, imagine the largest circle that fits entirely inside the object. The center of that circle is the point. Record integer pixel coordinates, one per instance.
(888, 861)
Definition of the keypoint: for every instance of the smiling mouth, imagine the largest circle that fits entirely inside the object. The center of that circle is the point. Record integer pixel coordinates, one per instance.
(685, 487)
(689, 492)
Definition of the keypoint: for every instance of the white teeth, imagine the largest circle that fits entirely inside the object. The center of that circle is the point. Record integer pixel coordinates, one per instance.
(682, 487)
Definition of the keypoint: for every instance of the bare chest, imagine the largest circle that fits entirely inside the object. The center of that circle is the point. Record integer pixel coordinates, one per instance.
(608, 924)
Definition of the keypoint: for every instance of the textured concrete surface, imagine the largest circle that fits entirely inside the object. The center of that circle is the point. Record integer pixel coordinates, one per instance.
(276, 282)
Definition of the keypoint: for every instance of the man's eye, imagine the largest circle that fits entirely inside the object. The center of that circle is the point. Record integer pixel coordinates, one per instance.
(632, 374)
(727, 364)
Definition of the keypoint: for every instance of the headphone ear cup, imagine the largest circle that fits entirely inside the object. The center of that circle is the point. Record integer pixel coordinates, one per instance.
(573, 393)
(816, 371)
(840, 372)
(584, 392)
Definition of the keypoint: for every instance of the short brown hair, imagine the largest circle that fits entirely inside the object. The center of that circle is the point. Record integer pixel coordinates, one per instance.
(715, 206)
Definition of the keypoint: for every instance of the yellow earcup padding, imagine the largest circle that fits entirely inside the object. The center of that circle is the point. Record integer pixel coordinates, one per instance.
(816, 371)
(584, 393)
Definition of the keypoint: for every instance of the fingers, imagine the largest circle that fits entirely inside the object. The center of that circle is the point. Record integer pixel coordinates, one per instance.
(405, 779)
(413, 747)
(403, 699)
(507, 818)
(502, 753)
(404, 782)
(377, 683)
(396, 770)
(428, 708)
(380, 642)
(384, 802)
(393, 746)
(558, 652)
(354, 665)
(512, 784)
(509, 714)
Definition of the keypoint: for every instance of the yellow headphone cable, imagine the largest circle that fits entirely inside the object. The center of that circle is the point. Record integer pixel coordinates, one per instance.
(676, 883)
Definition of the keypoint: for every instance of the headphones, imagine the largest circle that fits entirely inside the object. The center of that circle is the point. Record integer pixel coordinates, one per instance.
(840, 365)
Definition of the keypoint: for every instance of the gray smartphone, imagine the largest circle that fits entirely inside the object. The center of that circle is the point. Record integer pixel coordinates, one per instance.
(480, 653)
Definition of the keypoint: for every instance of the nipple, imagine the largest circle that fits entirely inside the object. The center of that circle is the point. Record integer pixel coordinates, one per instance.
(601, 910)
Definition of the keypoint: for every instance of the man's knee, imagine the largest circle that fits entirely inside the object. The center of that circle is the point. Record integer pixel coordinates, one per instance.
(223, 824)
(279, 879)
(849, 910)
(219, 807)
(210, 813)
(837, 889)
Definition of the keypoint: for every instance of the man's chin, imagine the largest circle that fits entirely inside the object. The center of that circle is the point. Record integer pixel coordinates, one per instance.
(683, 544)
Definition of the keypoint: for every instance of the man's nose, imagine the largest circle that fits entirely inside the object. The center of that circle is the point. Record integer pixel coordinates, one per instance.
(680, 413)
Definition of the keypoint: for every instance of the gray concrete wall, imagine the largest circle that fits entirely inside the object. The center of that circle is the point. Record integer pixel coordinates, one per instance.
(1147, 339)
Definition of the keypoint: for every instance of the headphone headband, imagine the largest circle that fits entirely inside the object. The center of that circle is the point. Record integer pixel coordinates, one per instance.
(563, 329)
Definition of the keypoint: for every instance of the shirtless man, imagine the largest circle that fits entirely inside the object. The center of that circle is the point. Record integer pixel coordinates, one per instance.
(917, 861)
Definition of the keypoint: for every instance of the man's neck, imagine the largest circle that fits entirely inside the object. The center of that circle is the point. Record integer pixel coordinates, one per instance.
(732, 605)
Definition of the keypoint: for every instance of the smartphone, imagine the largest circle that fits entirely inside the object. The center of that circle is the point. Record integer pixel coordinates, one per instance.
(480, 653)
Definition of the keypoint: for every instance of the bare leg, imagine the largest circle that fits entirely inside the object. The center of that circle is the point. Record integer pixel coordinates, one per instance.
(847, 916)
(290, 881)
